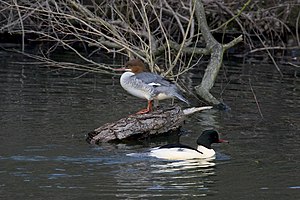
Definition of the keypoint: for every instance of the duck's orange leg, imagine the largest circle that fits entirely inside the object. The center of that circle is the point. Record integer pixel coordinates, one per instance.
(146, 110)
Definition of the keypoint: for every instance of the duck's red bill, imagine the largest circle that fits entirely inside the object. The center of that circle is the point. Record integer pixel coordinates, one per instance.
(120, 69)
(223, 141)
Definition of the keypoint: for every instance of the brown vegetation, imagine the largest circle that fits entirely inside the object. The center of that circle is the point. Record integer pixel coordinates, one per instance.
(150, 30)
(160, 32)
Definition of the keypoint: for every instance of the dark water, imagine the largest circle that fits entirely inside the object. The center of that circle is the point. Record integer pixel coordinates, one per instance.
(45, 114)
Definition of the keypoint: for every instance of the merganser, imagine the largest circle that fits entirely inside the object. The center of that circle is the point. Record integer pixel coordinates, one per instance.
(184, 152)
(147, 85)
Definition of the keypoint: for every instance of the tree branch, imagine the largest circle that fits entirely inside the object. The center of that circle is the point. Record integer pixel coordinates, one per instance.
(216, 49)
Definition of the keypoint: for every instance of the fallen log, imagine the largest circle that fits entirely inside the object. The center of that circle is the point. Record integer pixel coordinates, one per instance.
(140, 126)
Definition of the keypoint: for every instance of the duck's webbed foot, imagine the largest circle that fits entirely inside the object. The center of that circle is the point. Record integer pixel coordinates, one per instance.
(143, 111)
(146, 110)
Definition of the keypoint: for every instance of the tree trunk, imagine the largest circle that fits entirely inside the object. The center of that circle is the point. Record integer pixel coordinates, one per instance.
(141, 126)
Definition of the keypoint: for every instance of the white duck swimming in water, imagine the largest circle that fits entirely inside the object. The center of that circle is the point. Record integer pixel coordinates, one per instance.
(147, 85)
(184, 152)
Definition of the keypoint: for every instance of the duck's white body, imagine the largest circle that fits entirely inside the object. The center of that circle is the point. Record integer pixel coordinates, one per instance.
(182, 153)
(134, 87)
(149, 86)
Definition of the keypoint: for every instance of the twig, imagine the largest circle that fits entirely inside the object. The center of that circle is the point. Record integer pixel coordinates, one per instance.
(273, 48)
(294, 65)
(256, 101)
(22, 25)
(297, 29)
(234, 17)
(269, 54)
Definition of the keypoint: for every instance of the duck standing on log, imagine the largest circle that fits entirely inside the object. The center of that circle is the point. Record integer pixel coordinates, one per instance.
(147, 85)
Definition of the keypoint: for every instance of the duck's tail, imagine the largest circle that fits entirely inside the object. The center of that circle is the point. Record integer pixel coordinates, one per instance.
(181, 98)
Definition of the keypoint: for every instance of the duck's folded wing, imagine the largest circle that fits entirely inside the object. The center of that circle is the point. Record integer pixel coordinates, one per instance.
(152, 79)
(179, 146)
